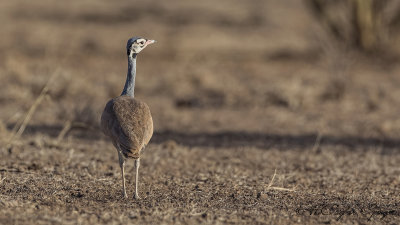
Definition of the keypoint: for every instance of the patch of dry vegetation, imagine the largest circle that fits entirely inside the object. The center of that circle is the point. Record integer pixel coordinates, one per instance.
(77, 183)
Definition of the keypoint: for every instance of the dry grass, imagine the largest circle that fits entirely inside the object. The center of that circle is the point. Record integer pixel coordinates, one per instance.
(20, 128)
(270, 187)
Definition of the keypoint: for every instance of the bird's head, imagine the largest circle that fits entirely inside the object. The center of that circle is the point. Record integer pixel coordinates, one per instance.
(137, 44)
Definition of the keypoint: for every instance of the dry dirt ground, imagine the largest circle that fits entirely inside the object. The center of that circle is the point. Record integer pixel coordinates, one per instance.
(259, 118)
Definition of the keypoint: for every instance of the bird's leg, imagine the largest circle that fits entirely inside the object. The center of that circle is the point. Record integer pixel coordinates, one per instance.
(137, 165)
(122, 165)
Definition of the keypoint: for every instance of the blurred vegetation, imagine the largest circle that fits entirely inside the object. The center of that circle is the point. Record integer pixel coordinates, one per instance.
(366, 25)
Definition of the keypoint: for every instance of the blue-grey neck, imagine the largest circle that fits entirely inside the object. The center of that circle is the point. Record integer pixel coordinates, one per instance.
(129, 88)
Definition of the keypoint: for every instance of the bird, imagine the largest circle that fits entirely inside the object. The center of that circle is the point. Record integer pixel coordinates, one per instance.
(126, 120)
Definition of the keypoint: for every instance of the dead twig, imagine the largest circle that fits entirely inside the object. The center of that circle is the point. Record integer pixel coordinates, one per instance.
(272, 180)
(69, 126)
(317, 142)
(30, 112)
(269, 187)
(280, 189)
(63, 132)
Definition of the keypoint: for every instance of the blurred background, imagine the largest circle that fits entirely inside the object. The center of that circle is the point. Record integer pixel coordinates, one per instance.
(261, 66)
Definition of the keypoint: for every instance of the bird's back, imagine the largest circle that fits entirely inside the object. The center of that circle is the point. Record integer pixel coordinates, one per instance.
(127, 121)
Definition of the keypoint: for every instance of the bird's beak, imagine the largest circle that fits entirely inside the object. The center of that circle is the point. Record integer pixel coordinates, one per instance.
(150, 42)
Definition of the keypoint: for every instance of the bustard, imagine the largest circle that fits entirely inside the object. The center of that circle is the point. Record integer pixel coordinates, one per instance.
(126, 120)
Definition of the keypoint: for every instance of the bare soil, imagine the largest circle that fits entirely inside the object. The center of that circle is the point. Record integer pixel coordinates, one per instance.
(259, 117)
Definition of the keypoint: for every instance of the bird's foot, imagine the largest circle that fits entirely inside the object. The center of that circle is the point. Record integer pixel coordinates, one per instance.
(124, 195)
(137, 197)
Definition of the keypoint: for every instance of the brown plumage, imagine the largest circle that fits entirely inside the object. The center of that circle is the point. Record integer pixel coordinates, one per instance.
(128, 123)
(126, 120)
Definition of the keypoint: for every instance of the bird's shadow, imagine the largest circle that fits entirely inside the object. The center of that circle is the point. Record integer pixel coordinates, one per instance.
(231, 139)
(306, 141)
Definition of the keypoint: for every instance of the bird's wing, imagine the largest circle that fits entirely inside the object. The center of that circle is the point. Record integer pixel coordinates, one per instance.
(128, 122)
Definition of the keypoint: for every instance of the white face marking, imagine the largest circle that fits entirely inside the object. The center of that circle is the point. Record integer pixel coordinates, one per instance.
(141, 41)
(138, 45)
